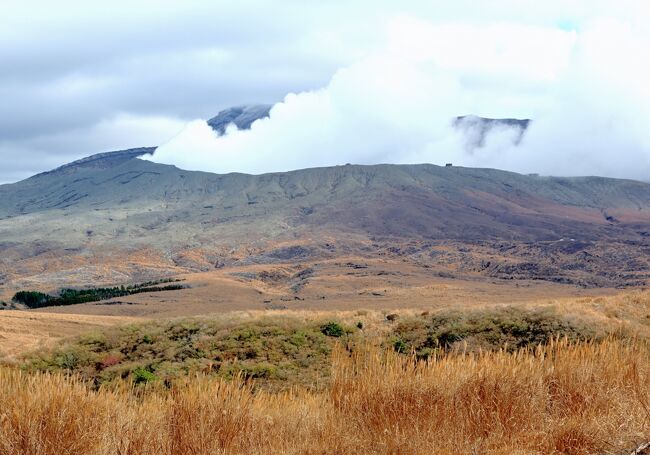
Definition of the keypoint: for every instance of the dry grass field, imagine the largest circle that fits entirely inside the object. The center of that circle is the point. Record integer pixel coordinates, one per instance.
(329, 287)
(589, 398)
(23, 331)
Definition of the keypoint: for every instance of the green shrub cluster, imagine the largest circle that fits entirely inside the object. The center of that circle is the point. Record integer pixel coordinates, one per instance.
(332, 329)
(277, 352)
(508, 327)
(32, 299)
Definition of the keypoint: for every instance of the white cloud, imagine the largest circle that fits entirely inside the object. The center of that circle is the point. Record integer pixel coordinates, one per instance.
(396, 71)
(586, 90)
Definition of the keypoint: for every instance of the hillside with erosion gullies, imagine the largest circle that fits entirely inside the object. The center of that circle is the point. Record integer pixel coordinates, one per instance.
(114, 218)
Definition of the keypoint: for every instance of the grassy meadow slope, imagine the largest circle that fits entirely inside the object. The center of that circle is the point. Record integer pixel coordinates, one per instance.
(457, 379)
(22, 331)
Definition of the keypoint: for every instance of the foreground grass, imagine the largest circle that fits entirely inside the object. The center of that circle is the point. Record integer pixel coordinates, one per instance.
(570, 398)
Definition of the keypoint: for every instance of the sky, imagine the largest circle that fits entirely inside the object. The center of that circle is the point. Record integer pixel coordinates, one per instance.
(354, 81)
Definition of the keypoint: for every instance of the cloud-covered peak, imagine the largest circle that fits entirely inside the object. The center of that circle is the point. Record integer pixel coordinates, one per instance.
(398, 105)
(242, 117)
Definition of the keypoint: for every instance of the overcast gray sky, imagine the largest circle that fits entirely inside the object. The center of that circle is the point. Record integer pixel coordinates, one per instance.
(80, 77)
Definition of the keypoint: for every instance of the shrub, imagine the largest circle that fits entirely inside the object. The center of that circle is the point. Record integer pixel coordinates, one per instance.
(67, 360)
(143, 376)
(400, 346)
(292, 350)
(260, 371)
(332, 329)
(108, 361)
(485, 329)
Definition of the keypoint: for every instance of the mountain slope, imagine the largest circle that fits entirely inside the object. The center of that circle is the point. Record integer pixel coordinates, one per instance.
(432, 190)
(112, 218)
(587, 230)
(105, 160)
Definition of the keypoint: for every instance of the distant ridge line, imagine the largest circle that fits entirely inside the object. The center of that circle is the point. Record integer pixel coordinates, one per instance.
(102, 160)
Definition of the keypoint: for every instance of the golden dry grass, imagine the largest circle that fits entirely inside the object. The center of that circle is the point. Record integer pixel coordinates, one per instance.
(563, 398)
(22, 331)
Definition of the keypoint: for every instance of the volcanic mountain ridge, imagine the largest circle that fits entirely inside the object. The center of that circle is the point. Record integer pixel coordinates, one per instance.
(114, 218)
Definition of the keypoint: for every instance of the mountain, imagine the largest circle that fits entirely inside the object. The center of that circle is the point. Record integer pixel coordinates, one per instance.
(517, 204)
(132, 219)
(113, 218)
(104, 160)
(241, 116)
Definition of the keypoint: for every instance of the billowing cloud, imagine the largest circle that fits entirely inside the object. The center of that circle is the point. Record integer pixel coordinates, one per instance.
(585, 90)
(71, 67)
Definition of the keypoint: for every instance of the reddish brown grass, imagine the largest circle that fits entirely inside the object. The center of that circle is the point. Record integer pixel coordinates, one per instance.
(563, 398)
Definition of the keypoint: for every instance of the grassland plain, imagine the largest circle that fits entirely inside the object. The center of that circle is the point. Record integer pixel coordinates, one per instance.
(335, 288)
